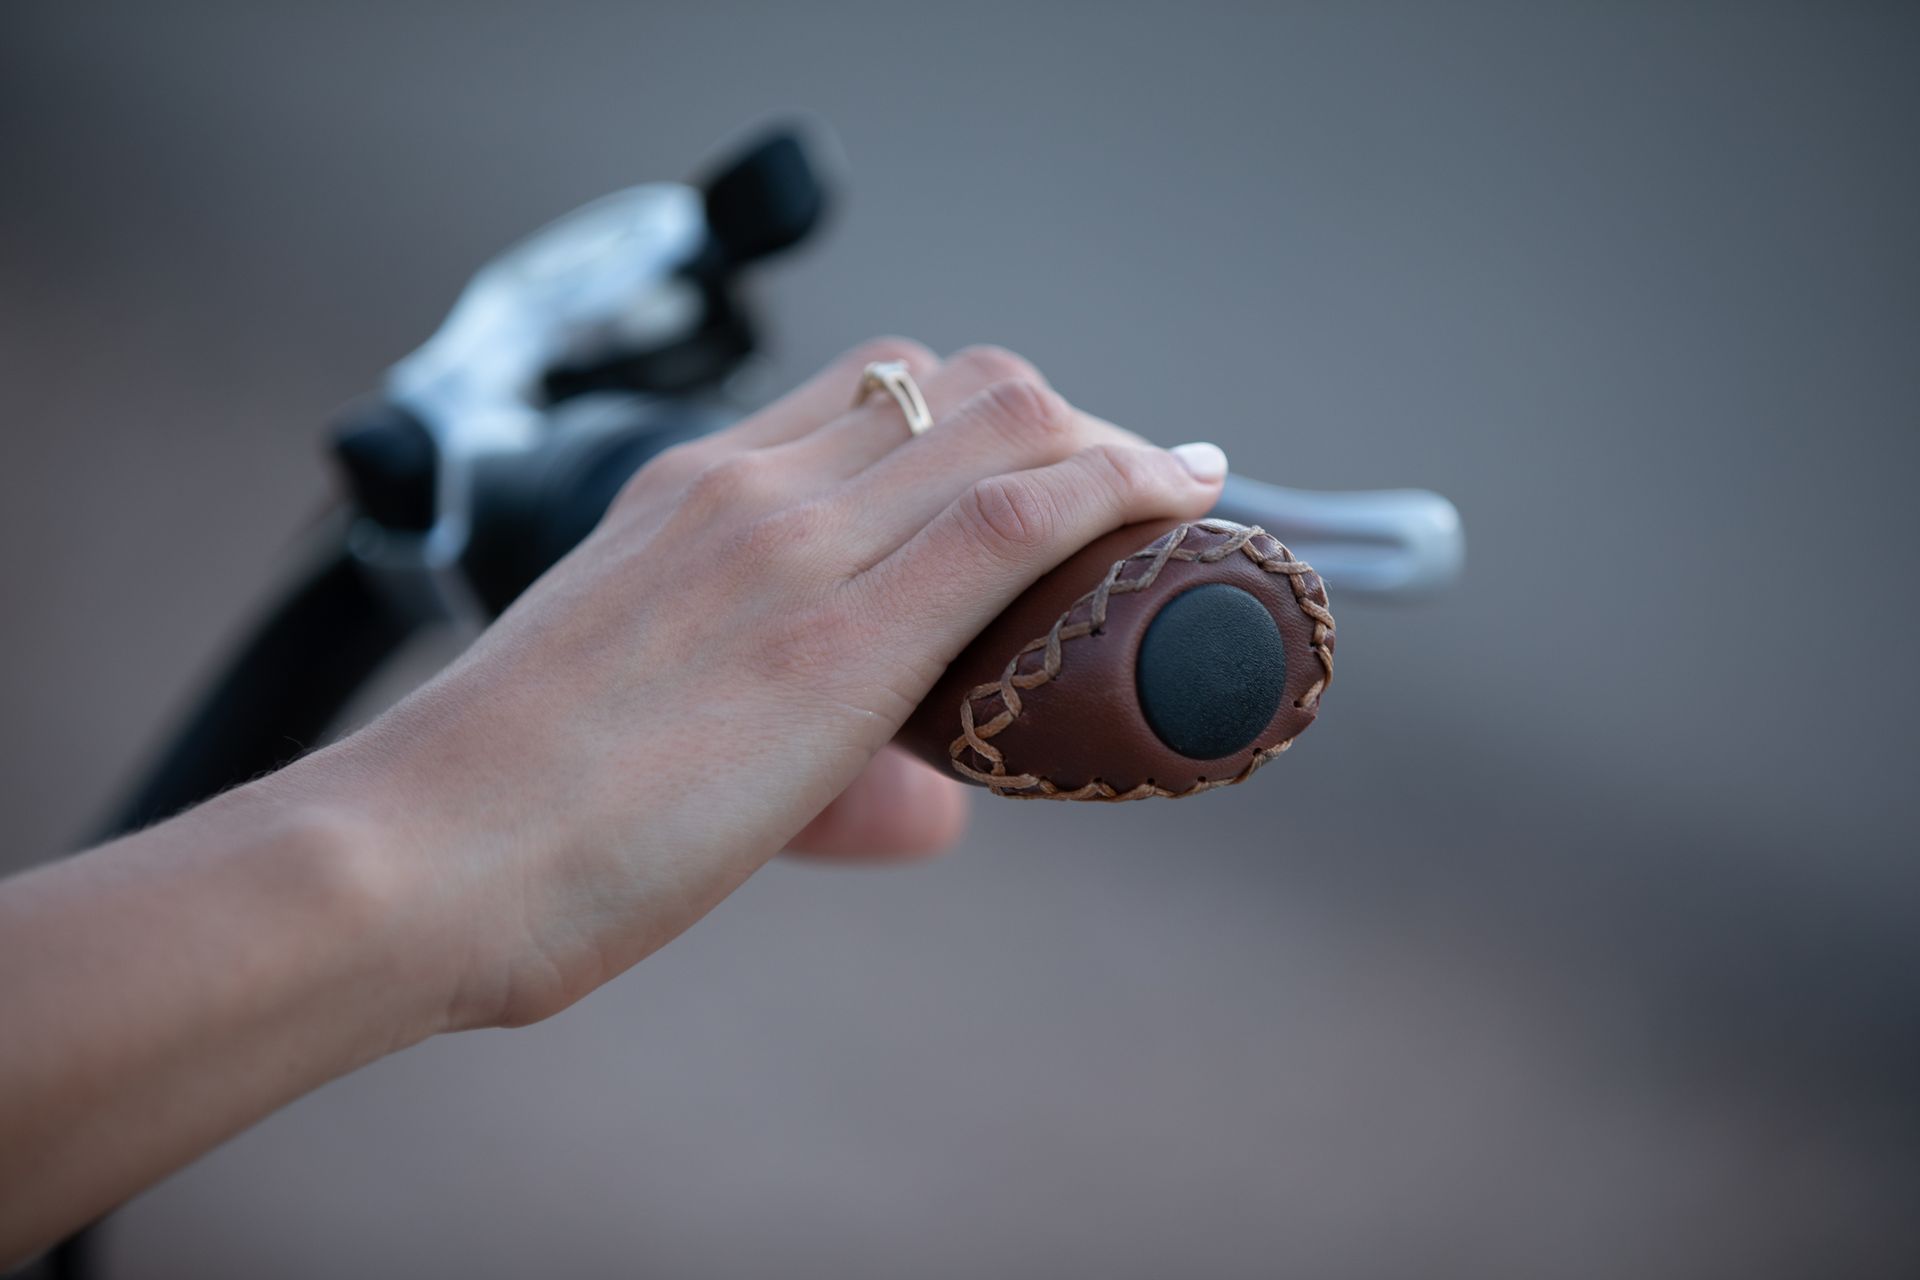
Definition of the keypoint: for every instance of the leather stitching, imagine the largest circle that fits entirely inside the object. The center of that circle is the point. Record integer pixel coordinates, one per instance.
(1087, 616)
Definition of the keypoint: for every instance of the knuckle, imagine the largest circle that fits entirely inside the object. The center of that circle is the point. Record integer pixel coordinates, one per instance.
(807, 642)
(1010, 517)
(997, 364)
(1124, 472)
(723, 484)
(791, 535)
(667, 471)
(1029, 411)
(684, 460)
(891, 347)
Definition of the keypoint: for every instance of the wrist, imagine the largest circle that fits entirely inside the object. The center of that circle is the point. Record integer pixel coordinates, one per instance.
(455, 806)
(351, 875)
(507, 846)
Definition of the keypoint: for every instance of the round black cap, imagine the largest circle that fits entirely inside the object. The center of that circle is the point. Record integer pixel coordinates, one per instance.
(1211, 671)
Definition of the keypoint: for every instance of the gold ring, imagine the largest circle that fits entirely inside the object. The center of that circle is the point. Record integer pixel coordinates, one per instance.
(893, 377)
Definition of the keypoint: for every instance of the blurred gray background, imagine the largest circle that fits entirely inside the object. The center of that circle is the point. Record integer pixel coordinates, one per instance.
(1578, 940)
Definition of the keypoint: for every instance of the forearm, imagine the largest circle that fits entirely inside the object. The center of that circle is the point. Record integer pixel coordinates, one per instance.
(167, 990)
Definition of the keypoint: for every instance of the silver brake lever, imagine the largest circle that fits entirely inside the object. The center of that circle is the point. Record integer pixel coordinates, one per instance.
(1388, 542)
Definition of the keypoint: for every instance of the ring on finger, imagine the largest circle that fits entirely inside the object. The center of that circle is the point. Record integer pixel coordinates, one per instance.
(893, 377)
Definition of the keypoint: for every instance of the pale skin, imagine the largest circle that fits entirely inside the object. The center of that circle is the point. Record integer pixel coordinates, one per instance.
(711, 677)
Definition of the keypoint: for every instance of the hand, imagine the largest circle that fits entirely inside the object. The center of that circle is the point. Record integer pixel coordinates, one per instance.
(713, 674)
(716, 671)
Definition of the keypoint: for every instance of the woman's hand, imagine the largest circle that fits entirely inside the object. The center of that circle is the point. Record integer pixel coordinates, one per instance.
(713, 674)
(716, 672)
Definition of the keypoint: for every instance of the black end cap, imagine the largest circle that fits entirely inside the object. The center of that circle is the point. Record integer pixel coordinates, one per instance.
(1211, 671)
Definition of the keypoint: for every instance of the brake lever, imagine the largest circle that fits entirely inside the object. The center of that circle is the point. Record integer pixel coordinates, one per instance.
(1387, 542)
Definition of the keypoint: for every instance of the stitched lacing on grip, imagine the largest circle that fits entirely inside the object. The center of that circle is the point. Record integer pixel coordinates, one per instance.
(1256, 544)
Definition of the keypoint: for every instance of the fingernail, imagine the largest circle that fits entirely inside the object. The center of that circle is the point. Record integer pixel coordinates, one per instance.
(1204, 462)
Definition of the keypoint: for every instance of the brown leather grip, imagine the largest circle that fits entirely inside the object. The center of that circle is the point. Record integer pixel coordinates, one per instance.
(1046, 702)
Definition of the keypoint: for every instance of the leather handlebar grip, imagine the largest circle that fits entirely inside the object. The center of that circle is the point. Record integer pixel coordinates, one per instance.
(1164, 659)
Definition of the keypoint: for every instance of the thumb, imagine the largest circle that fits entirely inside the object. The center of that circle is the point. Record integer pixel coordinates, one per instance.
(897, 809)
